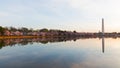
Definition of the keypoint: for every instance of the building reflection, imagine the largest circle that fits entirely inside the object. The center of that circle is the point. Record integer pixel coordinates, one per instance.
(103, 44)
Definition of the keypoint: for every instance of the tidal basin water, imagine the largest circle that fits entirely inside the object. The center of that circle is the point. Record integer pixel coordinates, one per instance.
(80, 53)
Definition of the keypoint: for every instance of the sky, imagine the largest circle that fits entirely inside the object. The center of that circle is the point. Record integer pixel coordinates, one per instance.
(79, 15)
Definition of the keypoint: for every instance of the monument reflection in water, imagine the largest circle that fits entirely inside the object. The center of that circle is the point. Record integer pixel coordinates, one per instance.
(103, 44)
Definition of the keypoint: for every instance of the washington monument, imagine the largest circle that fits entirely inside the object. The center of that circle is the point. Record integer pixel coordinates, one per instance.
(102, 26)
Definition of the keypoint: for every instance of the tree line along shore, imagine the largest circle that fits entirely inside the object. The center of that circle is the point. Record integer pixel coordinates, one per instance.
(12, 32)
(6, 32)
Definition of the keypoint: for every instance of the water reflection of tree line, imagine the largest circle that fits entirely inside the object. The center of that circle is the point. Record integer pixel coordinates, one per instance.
(25, 41)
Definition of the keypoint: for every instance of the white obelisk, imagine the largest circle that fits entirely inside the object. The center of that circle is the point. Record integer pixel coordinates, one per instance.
(102, 26)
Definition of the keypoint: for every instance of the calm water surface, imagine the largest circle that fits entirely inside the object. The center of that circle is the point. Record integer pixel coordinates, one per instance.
(82, 53)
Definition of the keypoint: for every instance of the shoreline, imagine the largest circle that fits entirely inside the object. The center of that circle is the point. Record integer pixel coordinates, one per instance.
(19, 37)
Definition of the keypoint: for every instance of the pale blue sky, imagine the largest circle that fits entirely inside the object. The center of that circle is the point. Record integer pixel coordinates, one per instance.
(79, 15)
